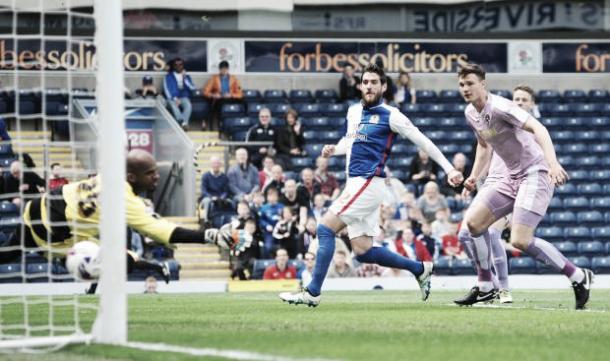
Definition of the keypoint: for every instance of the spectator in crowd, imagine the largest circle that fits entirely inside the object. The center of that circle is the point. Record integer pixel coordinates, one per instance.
(281, 269)
(270, 214)
(319, 207)
(441, 225)
(243, 177)
(150, 285)
(264, 175)
(277, 179)
(426, 239)
(307, 237)
(308, 181)
(285, 232)
(431, 201)
(177, 87)
(405, 94)
(348, 85)
(56, 179)
(340, 268)
(460, 163)
(5, 138)
(409, 246)
(289, 140)
(19, 180)
(148, 90)
(214, 187)
(297, 198)
(386, 221)
(395, 273)
(261, 132)
(329, 186)
(451, 246)
(221, 89)
(408, 209)
(368, 270)
(306, 275)
(395, 187)
(422, 170)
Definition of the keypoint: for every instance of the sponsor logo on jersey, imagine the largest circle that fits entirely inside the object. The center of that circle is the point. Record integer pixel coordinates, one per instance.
(374, 119)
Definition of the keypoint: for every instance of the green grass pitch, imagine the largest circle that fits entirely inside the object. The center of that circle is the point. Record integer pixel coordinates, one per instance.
(374, 325)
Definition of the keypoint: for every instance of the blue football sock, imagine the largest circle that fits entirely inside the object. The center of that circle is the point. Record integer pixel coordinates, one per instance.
(384, 257)
(326, 238)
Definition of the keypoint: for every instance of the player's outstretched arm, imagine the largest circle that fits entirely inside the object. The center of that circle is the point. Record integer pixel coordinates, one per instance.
(557, 174)
(480, 166)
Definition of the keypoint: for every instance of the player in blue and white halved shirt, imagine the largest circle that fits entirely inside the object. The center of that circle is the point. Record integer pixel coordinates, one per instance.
(372, 127)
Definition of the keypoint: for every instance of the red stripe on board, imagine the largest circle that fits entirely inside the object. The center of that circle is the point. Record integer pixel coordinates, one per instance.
(345, 207)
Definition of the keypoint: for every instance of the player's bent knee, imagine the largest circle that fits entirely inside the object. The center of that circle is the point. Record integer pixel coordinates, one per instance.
(475, 227)
(361, 245)
(519, 244)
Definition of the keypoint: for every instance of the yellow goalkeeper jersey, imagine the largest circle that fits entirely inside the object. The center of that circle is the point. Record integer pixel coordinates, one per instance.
(71, 214)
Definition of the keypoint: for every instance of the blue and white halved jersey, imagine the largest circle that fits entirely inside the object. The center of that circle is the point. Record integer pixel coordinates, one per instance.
(371, 132)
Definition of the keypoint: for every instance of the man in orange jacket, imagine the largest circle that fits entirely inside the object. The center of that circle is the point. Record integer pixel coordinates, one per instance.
(221, 89)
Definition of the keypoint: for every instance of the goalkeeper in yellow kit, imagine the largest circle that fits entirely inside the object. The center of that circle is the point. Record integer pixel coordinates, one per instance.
(62, 217)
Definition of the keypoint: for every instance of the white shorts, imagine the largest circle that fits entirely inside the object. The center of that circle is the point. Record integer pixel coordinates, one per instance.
(358, 205)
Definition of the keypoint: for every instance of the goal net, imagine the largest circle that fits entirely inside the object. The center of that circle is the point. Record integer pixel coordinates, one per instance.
(53, 53)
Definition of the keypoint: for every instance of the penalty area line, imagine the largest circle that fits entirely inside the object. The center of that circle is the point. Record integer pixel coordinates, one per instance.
(512, 307)
(228, 354)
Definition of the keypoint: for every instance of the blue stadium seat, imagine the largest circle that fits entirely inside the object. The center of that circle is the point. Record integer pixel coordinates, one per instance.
(239, 136)
(412, 110)
(576, 203)
(56, 101)
(598, 95)
(602, 203)
(601, 233)
(604, 135)
(579, 176)
(450, 96)
(334, 109)
(598, 122)
(567, 161)
(566, 189)
(589, 189)
(574, 122)
(522, 265)
(588, 162)
(8, 209)
(503, 93)
(602, 148)
(558, 148)
(574, 148)
(553, 233)
(587, 135)
(423, 122)
(37, 272)
(278, 121)
(252, 95)
(443, 266)
(607, 217)
(254, 107)
(340, 176)
(551, 122)
(590, 218)
(330, 135)
(301, 162)
(397, 173)
(258, 269)
(556, 204)
(448, 149)
(308, 110)
(558, 110)
(275, 95)
(278, 110)
(577, 233)
(311, 135)
(592, 248)
(606, 188)
(29, 102)
(574, 95)
(326, 95)
(315, 123)
(300, 96)
(567, 248)
(563, 217)
(581, 261)
(435, 109)
(232, 110)
(456, 110)
(235, 124)
(451, 122)
(562, 135)
(425, 96)
(336, 162)
(200, 108)
(314, 149)
(463, 267)
(588, 109)
(548, 96)
(600, 264)
(456, 217)
(10, 273)
(400, 149)
(337, 123)
(10, 224)
(436, 135)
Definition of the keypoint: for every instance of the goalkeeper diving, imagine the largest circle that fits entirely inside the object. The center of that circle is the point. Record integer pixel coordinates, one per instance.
(70, 214)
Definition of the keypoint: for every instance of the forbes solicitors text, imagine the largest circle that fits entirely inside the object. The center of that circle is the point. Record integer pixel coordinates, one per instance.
(81, 57)
(393, 60)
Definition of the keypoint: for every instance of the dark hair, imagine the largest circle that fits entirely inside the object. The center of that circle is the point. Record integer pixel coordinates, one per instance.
(273, 190)
(54, 164)
(223, 64)
(472, 68)
(172, 63)
(374, 68)
(527, 89)
(291, 111)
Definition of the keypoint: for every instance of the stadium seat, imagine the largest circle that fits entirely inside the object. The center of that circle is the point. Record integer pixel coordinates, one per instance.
(400, 149)
(603, 148)
(336, 162)
(330, 135)
(275, 95)
(301, 162)
(567, 248)
(235, 124)
(551, 122)
(8, 209)
(232, 110)
(436, 135)
(278, 110)
(400, 162)
(574, 122)
(598, 122)
(29, 102)
(579, 176)
(449, 96)
(278, 121)
(239, 136)
(590, 249)
(601, 233)
(607, 217)
(450, 122)
(200, 109)
(587, 135)
(254, 107)
(550, 234)
(313, 149)
(576, 203)
(443, 266)
(598, 95)
(317, 123)
(588, 162)
(300, 96)
(456, 217)
(566, 189)
(425, 96)
(463, 267)
(581, 261)
(577, 234)
(337, 123)
(602, 203)
(449, 149)
(559, 110)
(434, 110)
(589, 189)
(456, 110)
(588, 109)
(548, 96)
(308, 110)
(11, 273)
(574, 148)
(56, 102)
(503, 93)
(412, 110)
(590, 218)
(574, 95)
(326, 95)
(423, 122)
(461, 136)
(556, 204)
(312, 135)
(563, 217)
(37, 272)
(252, 95)
(333, 109)
(604, 135)
(522, 265)
(562, 135)
(567, 161)
(600, 264)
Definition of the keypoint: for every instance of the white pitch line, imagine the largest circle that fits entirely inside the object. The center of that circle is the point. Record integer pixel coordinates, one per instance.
(229, 354)
(529, 308)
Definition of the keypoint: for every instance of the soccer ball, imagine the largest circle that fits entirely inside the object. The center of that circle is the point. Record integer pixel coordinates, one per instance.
(83, 261)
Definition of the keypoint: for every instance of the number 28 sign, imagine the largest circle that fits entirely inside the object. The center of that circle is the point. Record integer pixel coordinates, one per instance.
(140, 139)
